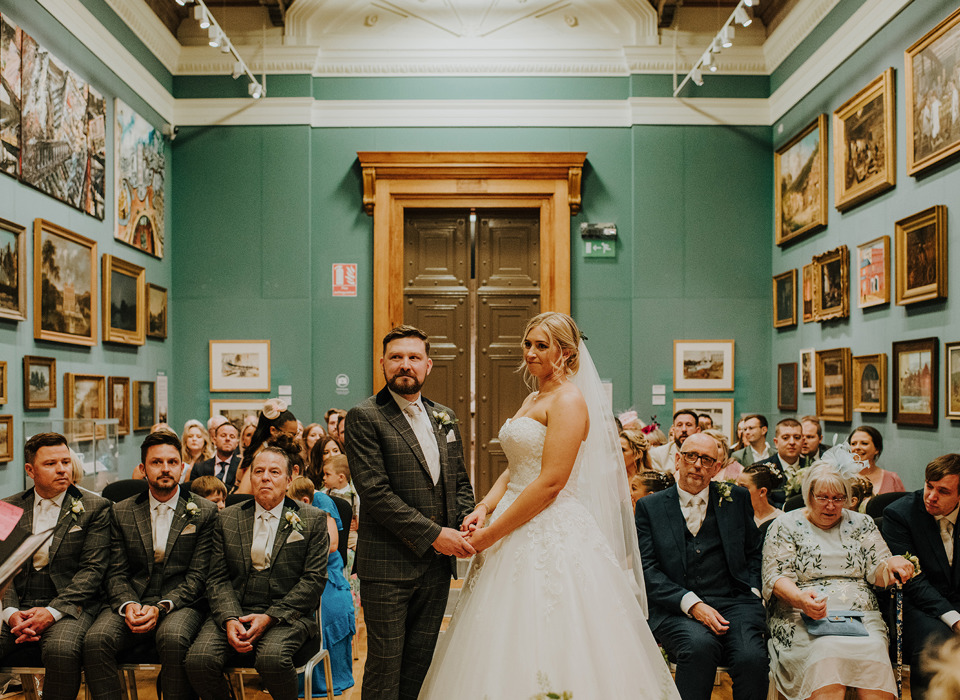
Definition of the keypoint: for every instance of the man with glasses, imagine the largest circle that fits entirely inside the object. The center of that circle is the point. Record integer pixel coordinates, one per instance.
(701, 562)
(755, 447)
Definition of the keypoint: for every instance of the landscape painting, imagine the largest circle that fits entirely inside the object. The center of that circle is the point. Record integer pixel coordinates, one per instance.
(239, 365)
(915, 382)
(10, 97)
(953, 380)
(800, 169)
(703, 365)
(84, 396)
(140, 169)
(156, 312)
(145, 406)
(39, 382)
(13, 271)
(65, 285)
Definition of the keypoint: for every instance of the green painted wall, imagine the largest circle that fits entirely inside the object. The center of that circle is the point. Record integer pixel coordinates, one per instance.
(907, 449)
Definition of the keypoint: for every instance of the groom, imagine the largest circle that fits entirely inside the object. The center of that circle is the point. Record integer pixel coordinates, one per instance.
(407, 464)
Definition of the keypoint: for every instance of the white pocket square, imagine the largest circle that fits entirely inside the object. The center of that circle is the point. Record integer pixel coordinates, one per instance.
(189, 529)
(75, 528)
(294, 537)
(451, 437)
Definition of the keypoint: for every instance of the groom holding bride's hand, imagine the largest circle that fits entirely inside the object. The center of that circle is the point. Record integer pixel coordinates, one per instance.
(406, 459)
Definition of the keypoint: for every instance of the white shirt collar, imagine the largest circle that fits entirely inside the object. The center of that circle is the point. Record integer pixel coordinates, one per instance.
(788, 465)
(403, 403)
(276, 511)
(58, 499)
(171, 502)
(952, 516)
(758, 456)
(686, 498)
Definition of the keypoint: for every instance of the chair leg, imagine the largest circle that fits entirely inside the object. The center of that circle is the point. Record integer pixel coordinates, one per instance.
(31, 688)
(236, 686)
(129, 679)
(328, 673)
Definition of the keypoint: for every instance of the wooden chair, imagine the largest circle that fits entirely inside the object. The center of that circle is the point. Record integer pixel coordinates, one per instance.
(27, 664)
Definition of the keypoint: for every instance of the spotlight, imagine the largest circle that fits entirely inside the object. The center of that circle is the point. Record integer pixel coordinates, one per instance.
(741, 16)
(751, 3)
(225, 45)
(255, 90)
(200, 15)
(182, 3)
(237, 70)
(707, 60)
(696, 76)
(216, 37)
(726, 37)
(715, 45)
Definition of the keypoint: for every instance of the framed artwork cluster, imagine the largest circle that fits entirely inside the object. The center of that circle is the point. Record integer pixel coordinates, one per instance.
(706, 365)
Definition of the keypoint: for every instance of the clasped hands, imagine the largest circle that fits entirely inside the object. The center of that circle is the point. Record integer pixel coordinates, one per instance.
(141, 618)
(471, 538)
(28, 625)
(243, 632)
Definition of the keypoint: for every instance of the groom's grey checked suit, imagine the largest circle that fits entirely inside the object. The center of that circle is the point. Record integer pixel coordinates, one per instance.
(405, 581)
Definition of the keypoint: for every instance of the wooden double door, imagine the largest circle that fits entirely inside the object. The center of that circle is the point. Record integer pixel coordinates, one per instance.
(471, 280)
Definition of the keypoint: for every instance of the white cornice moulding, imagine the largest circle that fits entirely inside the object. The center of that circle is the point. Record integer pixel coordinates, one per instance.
(80, 22)
(872, 16)
(243, 111)
(796, 26)
(150, 30)
(202, 60)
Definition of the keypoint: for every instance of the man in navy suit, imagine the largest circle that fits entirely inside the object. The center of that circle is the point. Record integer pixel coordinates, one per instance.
(924, 524)
(224, 463)
(701, 562)
(788, 439)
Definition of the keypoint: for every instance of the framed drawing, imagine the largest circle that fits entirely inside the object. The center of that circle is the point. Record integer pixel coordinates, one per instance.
(703, 365)
(800, 183)
(144, 405)
(921, 243)
(808, 371)
(39, 382)
(914, 379)
(239, 365)
(235, 409)
(3, 381)
(870, 383)
(787, 386)
(873, 272)
(833, 385)
(808, 283)
(785, 299)
(864, 151)
(931, 66)
(64, 285)
(6, 438)
(13, 271)
(156, 312)
(84, 396)
(118, 393)
(831, 297)
(720, 410)
(953, 380)
(124, 301)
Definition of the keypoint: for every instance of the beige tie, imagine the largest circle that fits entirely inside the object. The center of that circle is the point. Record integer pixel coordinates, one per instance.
(428, 441)
(946, 534)
(44, 519)
(695, 514)
(258, 552)
(161, 530)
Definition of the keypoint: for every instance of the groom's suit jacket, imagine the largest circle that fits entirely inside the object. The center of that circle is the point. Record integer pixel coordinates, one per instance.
(393, 481)
(662, 531)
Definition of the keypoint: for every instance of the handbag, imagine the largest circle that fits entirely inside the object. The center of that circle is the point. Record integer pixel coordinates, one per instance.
(837, 623)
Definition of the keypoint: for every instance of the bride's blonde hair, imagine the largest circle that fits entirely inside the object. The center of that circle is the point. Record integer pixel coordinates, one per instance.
(562, 331)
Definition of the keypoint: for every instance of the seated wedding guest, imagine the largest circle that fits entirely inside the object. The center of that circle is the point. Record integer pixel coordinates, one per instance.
(663, 458)
(867, 443)
(48, 604)
(226, 462)
(326, 447)
(655, 436)
(705, 422)
(331, 417)
(214, 422)
(753, 440)
(730, 468)
(268, 568)
(817, 561)
(761, 480)
(636, 457)
(861, 490)
(311, 434)
(246, 434)
(211, 488)
(942, 665)
(644, 483)
(738, 445)
(337, 616)
(160, 552)
(787, 441)
(629, 420)
(336, 482)
(812, 447)
(274, 419)
(701, 563)
(924, 523)
(341, 422)
(197, 446)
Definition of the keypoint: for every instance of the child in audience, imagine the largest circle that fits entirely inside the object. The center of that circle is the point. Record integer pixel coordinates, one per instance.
(861, 491)
(211, 488)
(336, 481)
(645, 483)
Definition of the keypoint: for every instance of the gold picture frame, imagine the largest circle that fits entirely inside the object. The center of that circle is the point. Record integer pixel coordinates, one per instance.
(831, 284)
(124, 302)
(915, 381)
(3, 381)
(703, 365)
(800, 183)
(144, 405)
(873, 272)
(807, 294)
(785, 299)
(6, 439)
(952, 375)
(85, 397)
(921, 244)
(13, 247)
(156, 311)
(118, 402)
(64, 312)
(833, 385)
(864, 144)
(787, 388)
(39, 382)
(870, 383)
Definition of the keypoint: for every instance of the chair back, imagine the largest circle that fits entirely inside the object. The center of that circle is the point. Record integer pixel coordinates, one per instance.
(793, 503)
(235, 498)
(124, 488)
(876, 505)
(346, 515)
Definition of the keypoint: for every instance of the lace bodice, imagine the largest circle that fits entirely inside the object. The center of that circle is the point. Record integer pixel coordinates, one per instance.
(522, 439)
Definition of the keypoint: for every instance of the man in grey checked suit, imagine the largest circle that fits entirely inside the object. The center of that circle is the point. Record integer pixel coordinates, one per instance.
(406, 460)
(268, 569)
(50, 602)
(160, 552)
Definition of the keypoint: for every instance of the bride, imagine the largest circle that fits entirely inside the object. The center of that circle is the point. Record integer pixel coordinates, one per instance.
(551, 600)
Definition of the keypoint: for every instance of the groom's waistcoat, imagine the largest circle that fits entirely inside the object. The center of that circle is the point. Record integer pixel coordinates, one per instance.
(438, 509)
(707, 573)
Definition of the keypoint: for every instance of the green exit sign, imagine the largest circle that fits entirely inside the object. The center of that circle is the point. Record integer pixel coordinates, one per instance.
(599, 249)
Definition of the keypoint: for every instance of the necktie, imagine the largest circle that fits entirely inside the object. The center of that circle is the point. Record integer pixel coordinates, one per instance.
(44, 519)
(946, 534)
(258, 552)
(161, 530)
(222, 470)
(694, 515)
(428, 441)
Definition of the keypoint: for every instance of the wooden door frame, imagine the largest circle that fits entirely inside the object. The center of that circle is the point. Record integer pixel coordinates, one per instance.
(395, 180)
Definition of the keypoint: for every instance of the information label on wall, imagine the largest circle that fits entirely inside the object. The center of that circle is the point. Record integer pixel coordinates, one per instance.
(344, 279)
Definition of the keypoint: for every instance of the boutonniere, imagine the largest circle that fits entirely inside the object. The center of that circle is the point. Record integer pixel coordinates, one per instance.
(76, 509)
(724, 490)
(193, 509)
(444, 419)
(293, 520)
(912, 558)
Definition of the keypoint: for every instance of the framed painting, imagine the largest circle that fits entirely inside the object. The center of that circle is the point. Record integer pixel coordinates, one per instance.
(720, 410)
(785, 299)
(156, 312)
(831, 297)
(6, 438)
(800, 183)
(873, 272)
(144, 405)
(239, 365)
(952, 351)
(914, 378)
(931, 66)
(787, 386)
(833, 385)
(235, 410)
(3, 381)
(118, 393)
(703, 365)
(864, 149)
(808, 371)
(870, 383)
(11, 42)
(808, 284)
(921, 243)
(64, 285)
(39, 382)
(140, 168)
(84, 396)
(124, 302)
(13, 270)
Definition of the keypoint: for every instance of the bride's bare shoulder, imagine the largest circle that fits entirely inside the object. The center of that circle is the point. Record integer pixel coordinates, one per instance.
(568, 398)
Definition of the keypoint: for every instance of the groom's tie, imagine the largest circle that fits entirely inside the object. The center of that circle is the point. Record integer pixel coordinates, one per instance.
(428, 441)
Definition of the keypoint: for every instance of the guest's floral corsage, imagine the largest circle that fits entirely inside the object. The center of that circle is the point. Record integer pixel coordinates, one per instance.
(76, 508)
(724, 490)
(193, 509)
(444, 419)
(912, 558)
(293, 520)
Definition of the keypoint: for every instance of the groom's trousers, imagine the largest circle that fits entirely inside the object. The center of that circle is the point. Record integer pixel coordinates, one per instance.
(403, 623)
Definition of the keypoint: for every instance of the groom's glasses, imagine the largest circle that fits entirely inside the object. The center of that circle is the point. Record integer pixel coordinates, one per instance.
(692, 457)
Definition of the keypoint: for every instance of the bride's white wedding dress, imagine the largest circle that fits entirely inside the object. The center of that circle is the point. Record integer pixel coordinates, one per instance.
(546, 608)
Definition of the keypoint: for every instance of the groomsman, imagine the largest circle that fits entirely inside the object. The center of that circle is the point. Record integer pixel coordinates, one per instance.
(268, 569)
(161, 543)
(52, 601)
(224, 463)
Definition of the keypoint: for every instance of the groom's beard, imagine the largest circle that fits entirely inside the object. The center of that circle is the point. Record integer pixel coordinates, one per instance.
(404, 384)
